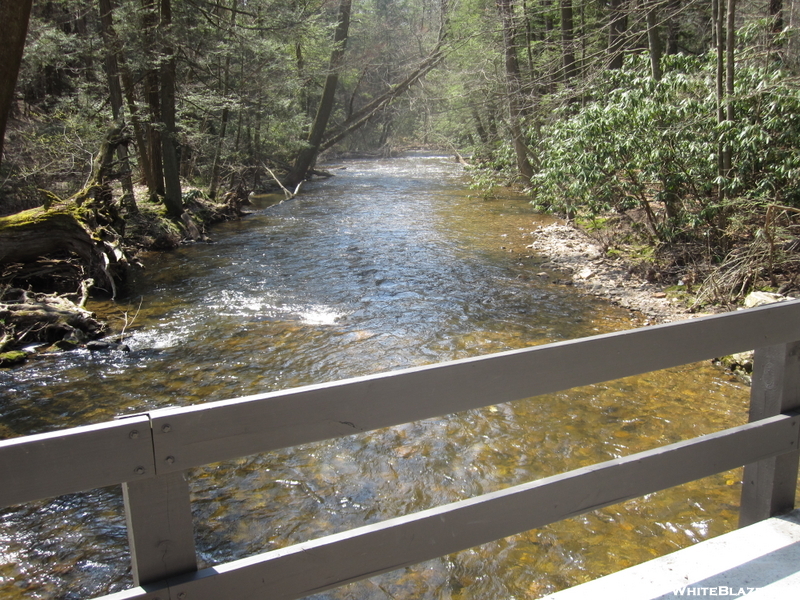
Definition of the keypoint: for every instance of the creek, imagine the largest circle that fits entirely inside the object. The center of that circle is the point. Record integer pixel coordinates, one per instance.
(390, 264)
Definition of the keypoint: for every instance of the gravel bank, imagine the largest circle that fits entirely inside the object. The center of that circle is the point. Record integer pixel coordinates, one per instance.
(583, 264)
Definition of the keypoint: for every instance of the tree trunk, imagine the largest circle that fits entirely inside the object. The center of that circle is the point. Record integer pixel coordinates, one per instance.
(223, 125)
(479, 128)
(14, 15)
(365, 114)
(114, 47)
(718, 12)
(38, 232)
(548, 18)
(115, 94)
(529, 38)
(618, 25)
(129, 90)
(152, 96)
(568, 40)
(776, 13)
(169, 142)
(654, 41)
(308, 155)
(730, 43)
(514, 90)
(673, 28)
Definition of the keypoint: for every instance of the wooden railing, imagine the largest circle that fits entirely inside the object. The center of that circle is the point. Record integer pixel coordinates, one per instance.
(149, 454)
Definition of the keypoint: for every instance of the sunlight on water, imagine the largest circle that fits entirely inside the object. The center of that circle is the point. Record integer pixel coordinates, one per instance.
(319, 315)
(391, 264)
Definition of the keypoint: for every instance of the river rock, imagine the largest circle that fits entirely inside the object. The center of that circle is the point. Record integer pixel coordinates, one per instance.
(105, 346)
(12, 359)
(761, 298)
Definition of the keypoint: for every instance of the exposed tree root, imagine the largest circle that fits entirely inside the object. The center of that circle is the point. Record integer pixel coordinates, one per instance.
(30, 318)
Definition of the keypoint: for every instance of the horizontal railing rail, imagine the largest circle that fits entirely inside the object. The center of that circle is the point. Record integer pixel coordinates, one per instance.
(149, 454)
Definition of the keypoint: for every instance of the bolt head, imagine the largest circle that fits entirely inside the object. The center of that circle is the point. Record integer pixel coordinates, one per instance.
(134, 434)
(139, 470)
(170, 459)
(166, 428)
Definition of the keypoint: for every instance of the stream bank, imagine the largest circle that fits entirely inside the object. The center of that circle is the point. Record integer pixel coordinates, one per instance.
(46, 277)
(583, 263)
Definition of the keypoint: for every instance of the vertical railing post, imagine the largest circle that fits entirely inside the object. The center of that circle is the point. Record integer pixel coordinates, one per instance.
(160, 532)
(768, 486)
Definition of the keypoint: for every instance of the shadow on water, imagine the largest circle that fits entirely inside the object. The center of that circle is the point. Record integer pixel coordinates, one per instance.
(391, 264)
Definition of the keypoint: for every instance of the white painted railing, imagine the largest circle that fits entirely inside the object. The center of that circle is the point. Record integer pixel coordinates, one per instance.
(148, 455)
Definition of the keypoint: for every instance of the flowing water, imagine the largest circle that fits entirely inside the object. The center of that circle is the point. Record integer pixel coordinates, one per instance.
(389, 265)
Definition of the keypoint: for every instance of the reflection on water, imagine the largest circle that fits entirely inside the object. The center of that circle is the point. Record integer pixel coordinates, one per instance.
(390, 265)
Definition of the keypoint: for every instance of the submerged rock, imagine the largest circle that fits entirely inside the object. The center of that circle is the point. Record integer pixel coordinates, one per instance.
(13, 358)
(106, 346)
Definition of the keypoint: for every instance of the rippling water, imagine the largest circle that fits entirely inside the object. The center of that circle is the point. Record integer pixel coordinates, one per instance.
(391, 264)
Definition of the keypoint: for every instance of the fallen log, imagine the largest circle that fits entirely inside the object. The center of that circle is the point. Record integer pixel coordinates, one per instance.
(39, 232)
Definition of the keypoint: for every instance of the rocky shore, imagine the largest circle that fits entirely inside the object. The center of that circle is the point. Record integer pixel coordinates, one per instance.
(583, 263)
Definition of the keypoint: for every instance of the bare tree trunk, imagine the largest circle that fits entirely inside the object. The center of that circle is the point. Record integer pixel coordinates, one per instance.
(776, 12)
(568, 40)
(618, 25)
(14, 15)
(114, 48)
(730, 44)
(718, 12)
(374, 108)
(514, 90)
(169, 143)
(308, 155)
(673, 29)
(223, 126)
(129, 91)
(152, 86)
(776, 44)
(115, 93)
(654, 41)
(529, 38)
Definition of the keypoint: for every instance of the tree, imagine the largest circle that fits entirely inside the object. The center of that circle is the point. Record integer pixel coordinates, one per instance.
(568, 40)
(654, 41)
(115, 97)
(223, 126)
(306, 157)
(14, 15)
(514, 88)
(618, 24)
(150, 27)
(169, 138)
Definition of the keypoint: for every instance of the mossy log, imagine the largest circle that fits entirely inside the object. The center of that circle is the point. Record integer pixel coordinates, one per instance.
(39, 232)
(27, 235)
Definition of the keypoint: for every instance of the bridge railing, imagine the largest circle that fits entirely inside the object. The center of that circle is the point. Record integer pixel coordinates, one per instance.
(149, 454)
